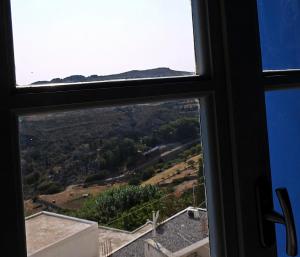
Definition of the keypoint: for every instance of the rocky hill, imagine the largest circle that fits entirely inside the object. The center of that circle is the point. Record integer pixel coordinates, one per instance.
(134, 74)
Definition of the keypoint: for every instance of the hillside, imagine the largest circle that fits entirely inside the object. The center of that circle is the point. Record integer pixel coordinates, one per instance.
(66, 148)
(134, 74)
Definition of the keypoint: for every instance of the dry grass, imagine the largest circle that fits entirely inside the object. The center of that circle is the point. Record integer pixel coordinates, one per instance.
(183, 174)
(179, 170)
(73, 197)
(31, 208)
(184, 186)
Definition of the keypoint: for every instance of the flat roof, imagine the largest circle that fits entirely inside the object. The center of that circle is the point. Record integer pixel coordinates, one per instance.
(174, 234)
(44, 229)
(118, 238)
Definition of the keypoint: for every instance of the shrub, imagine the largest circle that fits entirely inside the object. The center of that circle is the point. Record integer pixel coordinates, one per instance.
(178, 181)
(32, 178)
(134, 181)
(148, 173)
(96, 177)
(113, 202)
(49, 188)
(191, 163)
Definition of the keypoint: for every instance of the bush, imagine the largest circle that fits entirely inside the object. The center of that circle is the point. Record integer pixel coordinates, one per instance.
(178, 181)
(179, 130)
(96, 177)
(49, 188)
(148, 173)
(138, 215)
(111, 203)
(159, 166)
(134, 181)
(32, 178)
(191, 163)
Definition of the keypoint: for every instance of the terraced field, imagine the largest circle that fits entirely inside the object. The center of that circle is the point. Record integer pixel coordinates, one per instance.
(180, 170)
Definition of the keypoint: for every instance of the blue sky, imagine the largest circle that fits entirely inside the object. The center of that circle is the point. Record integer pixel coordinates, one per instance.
(58, 38)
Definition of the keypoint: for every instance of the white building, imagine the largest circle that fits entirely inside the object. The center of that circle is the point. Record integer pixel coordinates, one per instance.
(53, 235)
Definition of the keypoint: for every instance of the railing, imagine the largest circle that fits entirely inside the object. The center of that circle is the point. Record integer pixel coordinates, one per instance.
(105, 248)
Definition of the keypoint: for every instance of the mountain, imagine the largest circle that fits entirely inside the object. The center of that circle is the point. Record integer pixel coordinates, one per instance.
(134, 74)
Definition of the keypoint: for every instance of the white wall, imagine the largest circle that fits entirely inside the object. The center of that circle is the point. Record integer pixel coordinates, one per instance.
(82, 244)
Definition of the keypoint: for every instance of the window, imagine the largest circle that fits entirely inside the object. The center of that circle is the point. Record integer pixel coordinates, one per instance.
(137, 137)
(115, 166)
(230, 87)
(59, 42)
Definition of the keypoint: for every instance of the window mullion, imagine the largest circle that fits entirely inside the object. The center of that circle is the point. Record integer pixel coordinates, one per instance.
(138, 91)
(274, 80)
(7, 73)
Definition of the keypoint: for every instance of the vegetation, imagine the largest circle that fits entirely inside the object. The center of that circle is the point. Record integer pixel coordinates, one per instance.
(109, 147)
(129, 207)
(90, 145)
(179, 130)
(49, 188)
(137, 178)
(96, 177)
(113, 202)
(137, 216)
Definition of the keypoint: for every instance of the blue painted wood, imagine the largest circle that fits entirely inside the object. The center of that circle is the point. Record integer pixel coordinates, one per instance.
(283, 117)
(279, 22)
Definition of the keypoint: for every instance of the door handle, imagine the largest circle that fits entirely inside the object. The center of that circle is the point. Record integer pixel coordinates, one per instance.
(286, 219)
(269, 216)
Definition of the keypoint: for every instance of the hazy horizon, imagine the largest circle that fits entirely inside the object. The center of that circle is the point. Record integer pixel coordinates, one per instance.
(60, 38)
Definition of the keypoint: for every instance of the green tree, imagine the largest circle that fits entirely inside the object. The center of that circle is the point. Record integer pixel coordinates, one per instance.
(113, 202)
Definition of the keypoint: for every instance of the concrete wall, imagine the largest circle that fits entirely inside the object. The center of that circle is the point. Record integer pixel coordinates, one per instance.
(82, 244)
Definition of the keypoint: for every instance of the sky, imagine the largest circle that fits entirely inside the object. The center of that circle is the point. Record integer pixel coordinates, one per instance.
(59, 38)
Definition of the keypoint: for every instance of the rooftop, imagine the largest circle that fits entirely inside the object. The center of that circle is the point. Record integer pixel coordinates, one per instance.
(176, 233)
(119, 238)
(44, 229)
(181, 232)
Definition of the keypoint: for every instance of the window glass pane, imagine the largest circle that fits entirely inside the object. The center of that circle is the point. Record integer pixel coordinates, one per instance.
(114, 167)
(68, 41)
(279, 22)
(283, 114)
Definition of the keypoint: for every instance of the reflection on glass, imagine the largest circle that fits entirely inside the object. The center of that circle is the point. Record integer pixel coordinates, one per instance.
(71, 41)
(279, 22)
(123, 176)
(283, 115)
